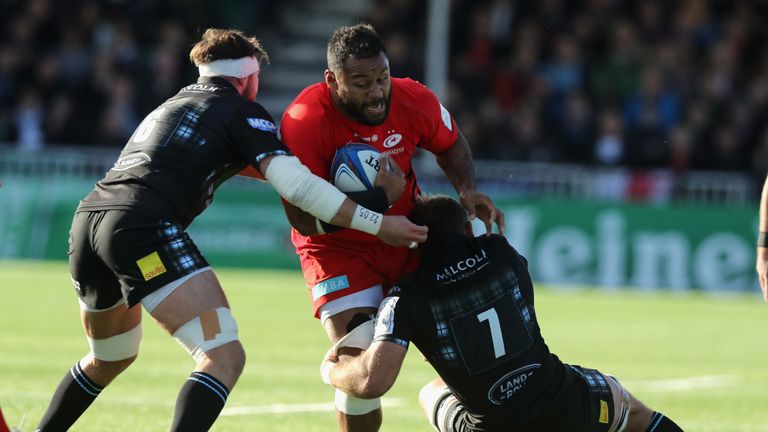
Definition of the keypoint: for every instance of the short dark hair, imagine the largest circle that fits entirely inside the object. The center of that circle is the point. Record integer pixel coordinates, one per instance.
(359, 41)
(443, 215)
(222, 44)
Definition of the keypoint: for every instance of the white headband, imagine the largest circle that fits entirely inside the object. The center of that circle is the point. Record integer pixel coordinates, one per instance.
(238, 68)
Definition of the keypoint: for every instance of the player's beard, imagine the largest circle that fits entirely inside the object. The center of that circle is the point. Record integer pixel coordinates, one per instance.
(357, 111)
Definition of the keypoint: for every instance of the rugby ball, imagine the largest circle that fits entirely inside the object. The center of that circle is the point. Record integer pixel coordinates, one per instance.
(354, 167)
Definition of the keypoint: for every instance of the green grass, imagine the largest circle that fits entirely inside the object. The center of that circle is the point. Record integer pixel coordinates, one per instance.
(645, 340)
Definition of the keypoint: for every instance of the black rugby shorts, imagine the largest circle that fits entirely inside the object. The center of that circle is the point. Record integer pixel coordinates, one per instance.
(119, 255)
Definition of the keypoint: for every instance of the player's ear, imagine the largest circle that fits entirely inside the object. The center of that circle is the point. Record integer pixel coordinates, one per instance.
(330, 79)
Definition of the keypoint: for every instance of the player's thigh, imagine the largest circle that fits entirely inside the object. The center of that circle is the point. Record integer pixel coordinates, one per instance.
(97, 286)
(199, 296)
(111, 322)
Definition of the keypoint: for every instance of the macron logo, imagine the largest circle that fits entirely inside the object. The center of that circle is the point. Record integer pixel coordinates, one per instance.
(261, 124)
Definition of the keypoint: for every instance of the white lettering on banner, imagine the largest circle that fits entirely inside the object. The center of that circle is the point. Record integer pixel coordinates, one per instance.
(564, 256)
(662, 253)
(611, 265)
(612, 255)
(720, 261)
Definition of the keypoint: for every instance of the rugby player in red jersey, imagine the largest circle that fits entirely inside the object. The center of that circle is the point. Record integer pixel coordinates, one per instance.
(348, 272)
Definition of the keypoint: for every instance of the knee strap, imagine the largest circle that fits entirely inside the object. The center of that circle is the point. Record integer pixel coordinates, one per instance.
(118, 347)
(210, 330)
(355, 406)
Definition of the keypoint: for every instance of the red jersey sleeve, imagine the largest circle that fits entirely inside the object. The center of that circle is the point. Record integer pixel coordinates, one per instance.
(441, 131)
(304, 133)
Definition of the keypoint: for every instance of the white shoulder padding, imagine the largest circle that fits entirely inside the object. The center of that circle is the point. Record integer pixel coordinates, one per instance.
(294, 182)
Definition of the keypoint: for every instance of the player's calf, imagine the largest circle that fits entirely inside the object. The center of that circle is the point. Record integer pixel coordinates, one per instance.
(643, 419)
(661, 423)
(212, 340)
(87, 378)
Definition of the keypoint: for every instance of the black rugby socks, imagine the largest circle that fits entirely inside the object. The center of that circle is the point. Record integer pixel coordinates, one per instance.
(73, 396)
(199, 403)
(660, 423)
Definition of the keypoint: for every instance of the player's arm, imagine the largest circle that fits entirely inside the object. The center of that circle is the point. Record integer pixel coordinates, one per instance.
(458, 166)
(388, 186)
(762, 242)
(368, 375)
(294, 182)
(255, 135)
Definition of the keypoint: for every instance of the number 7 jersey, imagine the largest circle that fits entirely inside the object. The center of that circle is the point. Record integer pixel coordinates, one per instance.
(469, 310)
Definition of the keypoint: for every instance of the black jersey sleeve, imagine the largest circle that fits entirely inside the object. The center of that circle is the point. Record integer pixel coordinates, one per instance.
(255, 134)
(393, 322)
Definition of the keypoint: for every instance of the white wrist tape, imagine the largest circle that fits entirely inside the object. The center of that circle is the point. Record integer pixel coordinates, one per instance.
(366, 220)
(294, 182)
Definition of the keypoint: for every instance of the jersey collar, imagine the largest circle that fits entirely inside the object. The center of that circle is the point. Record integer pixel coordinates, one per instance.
(215, 80)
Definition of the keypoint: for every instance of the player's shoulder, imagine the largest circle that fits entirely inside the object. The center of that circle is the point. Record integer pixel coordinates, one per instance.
(495, 241)
(499, 245)
(410, 88)
(310, 104)
(255, 116)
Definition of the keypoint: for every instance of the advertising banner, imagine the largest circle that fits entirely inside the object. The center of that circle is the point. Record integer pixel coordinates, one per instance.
(676, 247)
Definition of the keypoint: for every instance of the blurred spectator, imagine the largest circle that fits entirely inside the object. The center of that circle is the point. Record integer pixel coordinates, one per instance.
(610, 146)
(651, 84)
(86, 72)
(542, 81)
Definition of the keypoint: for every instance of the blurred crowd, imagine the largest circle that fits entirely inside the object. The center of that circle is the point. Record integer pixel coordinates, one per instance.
(88, 71)
(643, 84)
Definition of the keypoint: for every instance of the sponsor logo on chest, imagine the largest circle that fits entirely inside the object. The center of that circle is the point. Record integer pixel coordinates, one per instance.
(391, 144)
(462, 268)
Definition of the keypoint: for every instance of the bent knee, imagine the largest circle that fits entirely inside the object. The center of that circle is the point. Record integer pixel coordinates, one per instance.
(229, 357)
(112, 367)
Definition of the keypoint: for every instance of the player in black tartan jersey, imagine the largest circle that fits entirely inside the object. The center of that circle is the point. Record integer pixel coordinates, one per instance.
(469, 310)
(128, 243)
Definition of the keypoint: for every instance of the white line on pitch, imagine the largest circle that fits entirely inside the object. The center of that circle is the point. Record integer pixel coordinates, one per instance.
(293, 408)
(682, 384)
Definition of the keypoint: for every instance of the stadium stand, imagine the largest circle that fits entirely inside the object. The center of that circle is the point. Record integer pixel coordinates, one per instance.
(657, 90)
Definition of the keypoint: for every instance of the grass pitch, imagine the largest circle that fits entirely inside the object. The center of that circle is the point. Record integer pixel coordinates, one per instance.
(698, 359)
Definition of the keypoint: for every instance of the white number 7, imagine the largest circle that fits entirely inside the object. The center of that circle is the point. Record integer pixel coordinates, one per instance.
(493, 321)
